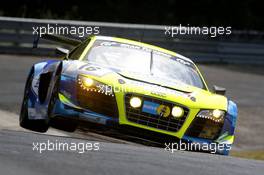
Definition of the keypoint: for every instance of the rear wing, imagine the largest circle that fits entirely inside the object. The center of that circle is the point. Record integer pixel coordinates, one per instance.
(57, 38)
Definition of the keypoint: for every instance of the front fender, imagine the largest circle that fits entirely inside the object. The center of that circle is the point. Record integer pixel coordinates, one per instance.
(42, 90)
(231, 118)
(228, 130)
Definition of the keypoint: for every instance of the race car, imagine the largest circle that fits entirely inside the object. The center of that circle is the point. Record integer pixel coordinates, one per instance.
(116, 81)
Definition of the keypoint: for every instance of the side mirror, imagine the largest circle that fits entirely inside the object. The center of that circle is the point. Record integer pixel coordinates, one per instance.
(63, 51)
(219, 90)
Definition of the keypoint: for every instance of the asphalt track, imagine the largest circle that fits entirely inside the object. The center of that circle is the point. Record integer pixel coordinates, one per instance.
(117, 156)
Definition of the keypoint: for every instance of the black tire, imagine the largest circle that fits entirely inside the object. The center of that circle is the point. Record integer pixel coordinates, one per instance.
(59, 122)
(40, 125)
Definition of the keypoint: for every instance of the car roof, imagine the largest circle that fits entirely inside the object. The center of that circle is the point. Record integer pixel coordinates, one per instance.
(128, 41)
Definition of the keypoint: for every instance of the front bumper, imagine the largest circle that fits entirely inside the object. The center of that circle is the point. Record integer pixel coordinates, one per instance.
(64, 107)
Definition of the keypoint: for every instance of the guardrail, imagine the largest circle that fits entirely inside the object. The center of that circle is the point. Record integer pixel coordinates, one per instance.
(16, 37)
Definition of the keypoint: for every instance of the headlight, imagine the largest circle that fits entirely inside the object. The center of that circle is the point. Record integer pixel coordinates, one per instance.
(87, 82)
(215, 115)
(218, 113)
(90, 84)
(177, 112)
(135, 102)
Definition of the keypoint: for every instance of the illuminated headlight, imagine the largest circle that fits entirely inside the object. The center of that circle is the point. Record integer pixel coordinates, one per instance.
(218, 113)
(135, 102)
(87, 82)
(177, 112)
(90, 84)
(215, 115)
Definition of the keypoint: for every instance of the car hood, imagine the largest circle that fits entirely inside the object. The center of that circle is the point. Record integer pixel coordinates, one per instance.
(160, 81)
(187, 95)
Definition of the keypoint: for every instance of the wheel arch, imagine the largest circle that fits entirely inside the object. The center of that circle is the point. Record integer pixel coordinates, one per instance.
(44, 74)
(46, 81)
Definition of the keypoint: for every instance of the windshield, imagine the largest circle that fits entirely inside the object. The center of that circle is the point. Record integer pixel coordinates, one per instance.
(120, 58)
(143, 60)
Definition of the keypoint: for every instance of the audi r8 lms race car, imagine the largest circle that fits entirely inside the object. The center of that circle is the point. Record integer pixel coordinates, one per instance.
(116, 81)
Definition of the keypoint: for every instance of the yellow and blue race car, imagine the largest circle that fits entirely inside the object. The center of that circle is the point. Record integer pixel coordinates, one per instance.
(115, 81)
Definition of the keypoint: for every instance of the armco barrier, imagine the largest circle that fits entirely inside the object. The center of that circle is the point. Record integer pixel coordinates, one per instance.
(246, 47)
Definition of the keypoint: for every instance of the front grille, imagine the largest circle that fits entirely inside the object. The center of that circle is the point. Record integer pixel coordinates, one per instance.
(136, 115)
(204, 128)
(97, 102)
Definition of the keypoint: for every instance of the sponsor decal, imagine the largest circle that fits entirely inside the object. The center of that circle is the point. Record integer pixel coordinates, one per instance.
(163, 111)
(156, 109)
(150, 107)
(160, 94)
